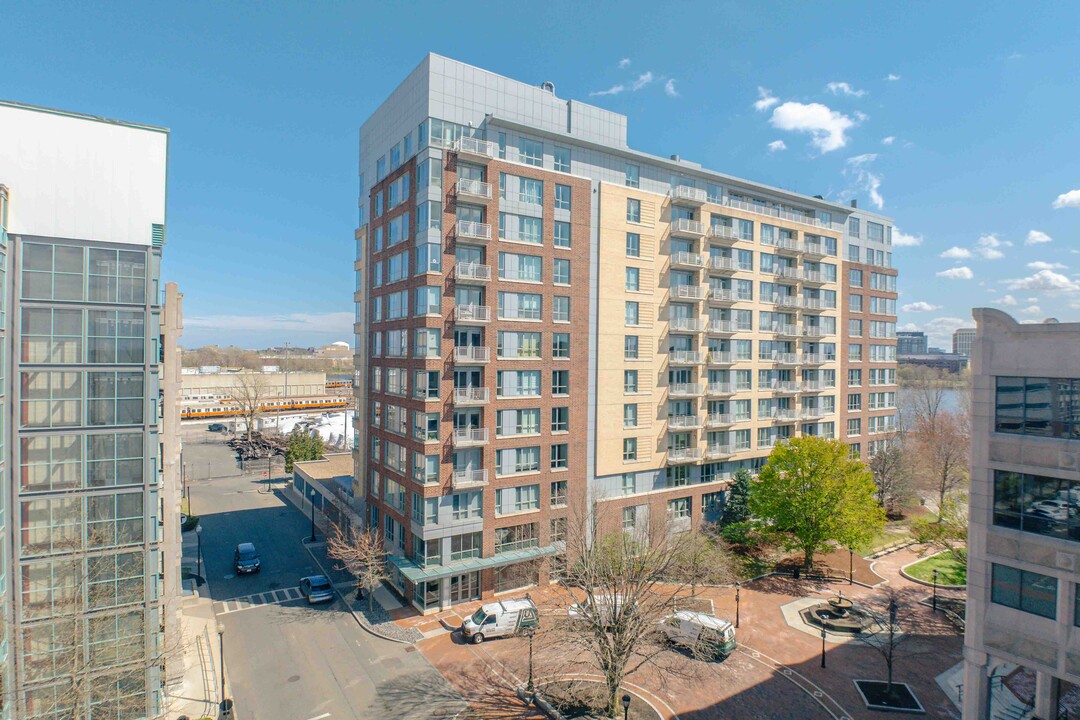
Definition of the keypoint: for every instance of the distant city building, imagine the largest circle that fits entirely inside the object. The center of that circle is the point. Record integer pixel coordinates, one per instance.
(1023, 596)
(220, 385)
(962, 340)
(932, 350)
(911, 343)
(944, 361)
(335, 351)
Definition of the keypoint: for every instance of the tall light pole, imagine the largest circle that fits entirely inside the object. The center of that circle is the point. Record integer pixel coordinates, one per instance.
(625, 707)
(823, 647)
(935, 591)
(737, 604)
(312, 517)
(851, 566)
(221, 655)
(198, 559)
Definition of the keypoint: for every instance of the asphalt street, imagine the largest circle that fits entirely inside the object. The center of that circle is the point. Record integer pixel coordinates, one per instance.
(284, 659)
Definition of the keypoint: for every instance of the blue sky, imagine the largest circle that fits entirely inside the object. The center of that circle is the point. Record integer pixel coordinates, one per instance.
(960, 119)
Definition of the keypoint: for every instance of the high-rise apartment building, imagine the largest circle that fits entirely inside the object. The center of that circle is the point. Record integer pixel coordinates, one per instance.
(86, 483)
(548, 320)
(1023, 600)
(911, 343)
(962, 340)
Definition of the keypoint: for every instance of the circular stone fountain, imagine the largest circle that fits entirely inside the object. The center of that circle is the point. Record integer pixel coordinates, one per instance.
(837, 615)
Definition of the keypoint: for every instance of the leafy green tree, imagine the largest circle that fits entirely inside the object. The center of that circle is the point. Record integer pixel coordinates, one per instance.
(737, 509)
(303, 445)
(949, 532)
(811, 493)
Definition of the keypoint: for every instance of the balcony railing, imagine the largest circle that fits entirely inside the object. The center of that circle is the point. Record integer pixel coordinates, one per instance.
(720, 420)
(684, 422)
(473, 230)
(815, 386)
(783, 414)
(687, 194)
(474, 188)
(815, 413)
(789, 245)
(789, 301)
(470, 437)
(721, 357)
(462, 479)
(810, 247)
(472, 314)
(782, 214)
(684, 455)
(783, 358)
(686, 357)
(721, 327)
(787, 330)
(687, 324)
(719, 262)
(471, 354)
(686, 389)
(474, 272)
(814, 277)
(723, 232)
(470, 396)
(477, 148)
(790, 273)
(814, 331)
(714, 452)
(813, 304)
(814, 358)
(720, 388)
(686, 226)
(686, 259)
(723, 296)
(784, 386)
(689, 292)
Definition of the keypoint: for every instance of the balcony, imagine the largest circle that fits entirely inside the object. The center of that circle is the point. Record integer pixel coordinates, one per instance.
(717, 452)
(814, 277)
(686, 195)
(815, 386)
(789, 273)
(783, 415)
(471, 354)
(816, 331)
(719, 262)
(813, 304)
(472, 272)
(686, 390)
(721, 327)
(687, 324)
(471, 396)
(784, 387)
(472, 314)
(788, 301)
(789, 246)
(814, 248)
(689, 260)
(723, 296)
(689, 292)
(783, 358)
(720, 388)
(685, 226)
(721, 357)
(715, 420)
(476, 148)
(815, 359)
(467, 479)
(787, 330)
(723, 232)
(473, 230)
(470, 437)
(473, 189)
(814, 413)
(683, 455)
(684, 422)
(686, 357)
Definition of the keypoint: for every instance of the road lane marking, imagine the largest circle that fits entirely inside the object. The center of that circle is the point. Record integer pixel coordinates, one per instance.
(320, 717)
(270, 597)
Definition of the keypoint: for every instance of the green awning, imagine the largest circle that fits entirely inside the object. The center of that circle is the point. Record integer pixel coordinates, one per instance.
(416, 573)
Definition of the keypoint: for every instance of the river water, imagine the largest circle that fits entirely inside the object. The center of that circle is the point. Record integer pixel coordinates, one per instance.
(950, 401)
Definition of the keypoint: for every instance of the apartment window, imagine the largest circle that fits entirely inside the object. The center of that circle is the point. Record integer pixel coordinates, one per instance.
(629, 518)
(875, 232)
(466, 505)
(561, 275)
(517, 422)
(521, 228)
(853, 227)
(629, 415)
(560, 345)
(517, 383)
(426, 384)
(562, 234)
(562, 159)
(854, 378)
(633, 245)
(520, 306)
(630, 347)
(633, 176)
(633, 210)
(522, 268)
(427, 343)
(466, 546)
(425, 468)
(562, 197)
(1023, 590)
(532, 152)
(560, 382)
(1037, 406)
(629, 449)
(1034, 504)
(854, 253)
(560, 457)
(632, 313)
(633, 279)
(855, 278)
(630, 381)
(679, 509)
(560, 419)
(854, 426)
(854, 401)
(523, 498)
(854, 328)
(560, 305)
(629, 485)
(855, 352)
(558, 529)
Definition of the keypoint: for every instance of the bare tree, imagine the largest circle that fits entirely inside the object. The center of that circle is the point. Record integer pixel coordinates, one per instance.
(250, 392)
(361, 553)
(949, 533)
(892, 476)
(703, 559)
(942, 447)
(924, 392)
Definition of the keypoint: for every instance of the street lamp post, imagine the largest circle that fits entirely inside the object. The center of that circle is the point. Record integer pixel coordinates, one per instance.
(935, 592)
(823, 647)
(850, 566)
(221, 655)
(625, 706)
(312, 517)
(198, 552)
(736, 604)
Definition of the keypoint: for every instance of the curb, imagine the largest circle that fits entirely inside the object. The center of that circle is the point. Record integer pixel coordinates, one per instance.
(917, 581)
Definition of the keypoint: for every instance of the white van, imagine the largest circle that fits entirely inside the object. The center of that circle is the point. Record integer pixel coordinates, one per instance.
(508, 617)
(704, 635)
(606, 606)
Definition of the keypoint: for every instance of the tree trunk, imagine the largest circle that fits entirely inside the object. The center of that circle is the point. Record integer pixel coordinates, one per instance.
(808, 559)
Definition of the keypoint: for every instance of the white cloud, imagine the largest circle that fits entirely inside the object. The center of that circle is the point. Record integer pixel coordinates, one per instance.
(1040, 265)
(956, 253)
(957, 273)
(1037, 237)
(1007, 300)
(908, 327)
(643, 79)
(920, 306)
(865, 180)
(987, 246)
(338, 323)
(1044, 280)
(940, 329)
(1069, 199)
(624, 63)
(669, 88)
(827, 128)
(842, 88)
(765, 99)
(900, 239)
(892, 77)
(777, 145)
(613, 90)
(888, 140)
(1033, 300)
(1031, 310)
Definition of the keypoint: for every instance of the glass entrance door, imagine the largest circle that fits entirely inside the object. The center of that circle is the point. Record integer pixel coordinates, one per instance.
(465, 587)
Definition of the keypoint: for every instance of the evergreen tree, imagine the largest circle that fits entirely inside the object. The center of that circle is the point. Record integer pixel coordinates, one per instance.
(303, 445)
(737, 508)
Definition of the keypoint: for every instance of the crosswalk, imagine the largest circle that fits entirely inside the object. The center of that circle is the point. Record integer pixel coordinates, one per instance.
(246, 602)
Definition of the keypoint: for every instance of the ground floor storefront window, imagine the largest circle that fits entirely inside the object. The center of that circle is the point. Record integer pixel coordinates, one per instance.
(518, 575)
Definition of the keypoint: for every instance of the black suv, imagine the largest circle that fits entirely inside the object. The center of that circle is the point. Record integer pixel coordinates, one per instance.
(246, 559)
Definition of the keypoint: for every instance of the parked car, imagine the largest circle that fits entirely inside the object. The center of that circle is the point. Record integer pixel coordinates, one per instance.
(317, 589)
(704, 635)
(608, 607)
(500, 619)
(1054, 509)
(216, 427)
(246, 559)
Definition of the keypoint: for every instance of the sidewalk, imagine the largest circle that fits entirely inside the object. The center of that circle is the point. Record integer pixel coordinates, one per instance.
(200, 692)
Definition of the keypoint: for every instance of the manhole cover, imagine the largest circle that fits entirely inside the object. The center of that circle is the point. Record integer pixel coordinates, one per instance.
(294, 678)
(411, 648)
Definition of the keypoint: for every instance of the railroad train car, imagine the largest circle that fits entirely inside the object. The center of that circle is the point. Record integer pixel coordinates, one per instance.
(227, 408)
(333, 384)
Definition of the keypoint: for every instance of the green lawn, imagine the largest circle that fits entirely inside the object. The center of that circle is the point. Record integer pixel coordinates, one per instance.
(950, 572)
